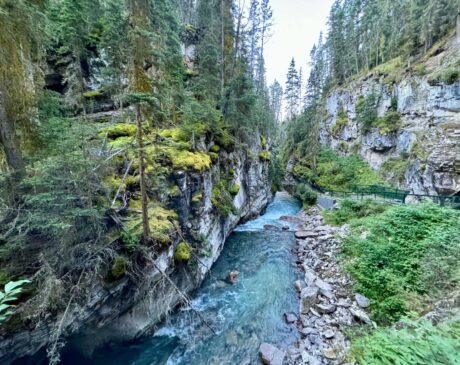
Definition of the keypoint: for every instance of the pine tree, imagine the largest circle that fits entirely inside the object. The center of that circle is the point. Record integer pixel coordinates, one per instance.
(276, 100)
(291, 91)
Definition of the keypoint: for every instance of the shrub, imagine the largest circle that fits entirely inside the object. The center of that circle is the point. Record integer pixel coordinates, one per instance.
(390, 255)
(394, 169)
(264, 155)
(415, 343)
(366, 111)
(234, 190)
(340, 123)
(222, 200)
(450, 76)
(306, 195)
(349, 210)
(183, 252)
(390, 122)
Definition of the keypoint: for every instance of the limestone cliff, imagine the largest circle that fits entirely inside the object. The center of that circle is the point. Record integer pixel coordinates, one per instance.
(422, 154)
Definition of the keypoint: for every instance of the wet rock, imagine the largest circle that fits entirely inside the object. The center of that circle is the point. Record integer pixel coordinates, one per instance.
(290, 318)
(362, 301)
(246, 361)
(360, 315)
(309, 297)
(326, 308)
(286, 228)
(271, 355)
(298, 285)
(271, 227)
(233, 276)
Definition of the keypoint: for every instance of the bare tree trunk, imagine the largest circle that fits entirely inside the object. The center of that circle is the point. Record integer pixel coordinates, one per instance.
(144, 198)
(458, 28)
(8, 140)
(222, 84)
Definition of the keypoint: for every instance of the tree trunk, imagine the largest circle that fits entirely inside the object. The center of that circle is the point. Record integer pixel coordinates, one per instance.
(144, 198)
(458, 28)
(8, 140)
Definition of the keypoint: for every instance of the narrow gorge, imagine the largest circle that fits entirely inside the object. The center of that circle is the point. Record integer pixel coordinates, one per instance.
(166, 200)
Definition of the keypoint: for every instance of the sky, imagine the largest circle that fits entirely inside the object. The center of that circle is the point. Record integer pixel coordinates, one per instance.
(297, 24)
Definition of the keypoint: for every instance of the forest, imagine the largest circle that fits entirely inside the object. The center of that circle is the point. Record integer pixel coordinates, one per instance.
(135, 135)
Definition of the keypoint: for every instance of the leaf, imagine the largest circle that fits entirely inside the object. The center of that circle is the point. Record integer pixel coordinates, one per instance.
(14, 284)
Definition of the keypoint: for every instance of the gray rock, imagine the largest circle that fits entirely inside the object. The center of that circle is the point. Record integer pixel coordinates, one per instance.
(322, 285)
(308, 297)
(329, 334)
(271, 355)
(290, 318)
(326, 308)
(362, 301)
(305, 234)
(360, 315)
(329, 353)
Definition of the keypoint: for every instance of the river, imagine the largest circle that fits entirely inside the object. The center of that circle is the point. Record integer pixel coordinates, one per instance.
(244, 315)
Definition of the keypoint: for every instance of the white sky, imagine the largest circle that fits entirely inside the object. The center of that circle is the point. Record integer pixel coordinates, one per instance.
(297, 24)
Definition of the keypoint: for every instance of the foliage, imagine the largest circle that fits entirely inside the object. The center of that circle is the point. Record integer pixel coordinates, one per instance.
(234, 189)
(334, 172)
(450, 76)
(394, 169)
(182, 252)
(392, 256)
(349, 210)
(265, 155)
(306, 195)
(390, 122)
(366, 111)
(222, 200)
(186, 160)
(10, 294)
(417, 342)
(340, 124)
(119, 130)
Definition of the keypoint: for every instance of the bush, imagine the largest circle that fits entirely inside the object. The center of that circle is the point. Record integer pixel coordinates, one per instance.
(306, 195)
(416, 343)
(350, 210)
(450, 76)
(390, 122)
(340, 123)
(234, 190)
(392, 256)
(366, 111)
(183, 252)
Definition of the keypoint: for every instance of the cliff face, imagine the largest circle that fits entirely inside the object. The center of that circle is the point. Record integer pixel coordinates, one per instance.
(132, 307)
(425, 148)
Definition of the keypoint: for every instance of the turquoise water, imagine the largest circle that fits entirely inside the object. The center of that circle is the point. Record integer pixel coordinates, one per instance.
(243, 315)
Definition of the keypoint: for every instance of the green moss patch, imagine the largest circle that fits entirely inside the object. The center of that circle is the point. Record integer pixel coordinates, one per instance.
(186, 160)
(119, 130)
(234, 190)
(182, 252)
(265, 156)
(118, 269)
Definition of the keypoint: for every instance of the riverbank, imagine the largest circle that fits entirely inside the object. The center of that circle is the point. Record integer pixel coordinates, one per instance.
(327, 304)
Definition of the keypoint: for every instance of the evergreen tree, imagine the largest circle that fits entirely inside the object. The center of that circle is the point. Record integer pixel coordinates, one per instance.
(276, 100)
(292, 91)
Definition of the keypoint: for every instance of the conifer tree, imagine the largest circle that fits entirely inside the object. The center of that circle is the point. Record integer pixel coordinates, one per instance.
(291, 91)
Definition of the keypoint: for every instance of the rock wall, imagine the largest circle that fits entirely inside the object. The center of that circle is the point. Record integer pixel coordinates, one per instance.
(131, 308)
(428, 141)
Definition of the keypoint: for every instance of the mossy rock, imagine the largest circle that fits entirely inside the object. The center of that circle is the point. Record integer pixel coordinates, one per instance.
(119, 267)
(214, 156)
(264, 155)
(234, 190)
(182, 252)
(162, 222)
(119, 130)
(121, 142)
(186, 160)
(113, 182)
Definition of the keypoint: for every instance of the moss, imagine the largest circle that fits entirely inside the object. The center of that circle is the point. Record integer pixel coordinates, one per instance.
(390, 122)
(162, 222)
(214, 157)
(119, 267)
(420, 70)
(174, 191)
(189, 72)
(112, 182)
(343, 146)
(215, 148)
(119, 130)
(234, 190)
(225, 140)
(186, 160)
(175, 134)
(121, 142)
(197, 198)
(264, 155)
(93, 94)
(132, 181)
(222, 200)
(182, 252)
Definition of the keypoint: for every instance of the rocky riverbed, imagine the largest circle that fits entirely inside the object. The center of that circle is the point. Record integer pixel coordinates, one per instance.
(327, 303)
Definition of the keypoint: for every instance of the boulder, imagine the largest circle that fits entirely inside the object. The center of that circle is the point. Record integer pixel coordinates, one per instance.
(305, 234)
(326, 308)
(308, 297)
(290, 318)
(362, 301)
(271, 355)
(233, 276)
(360, 315)
(329, 354)
(298, 285)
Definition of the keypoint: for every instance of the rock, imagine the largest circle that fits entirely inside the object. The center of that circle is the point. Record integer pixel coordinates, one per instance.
(305, 234)
(271, 355)
(290, 318)
(329, 354)
(233, 276)
(329, 334)
(246, 361)
(309, 297)
(362, 301)
(286, 228)
(310, 277)
(308, 331)
(360, 315)
(298, 285)
(271, 227)
(322, 285)
(326, 308)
